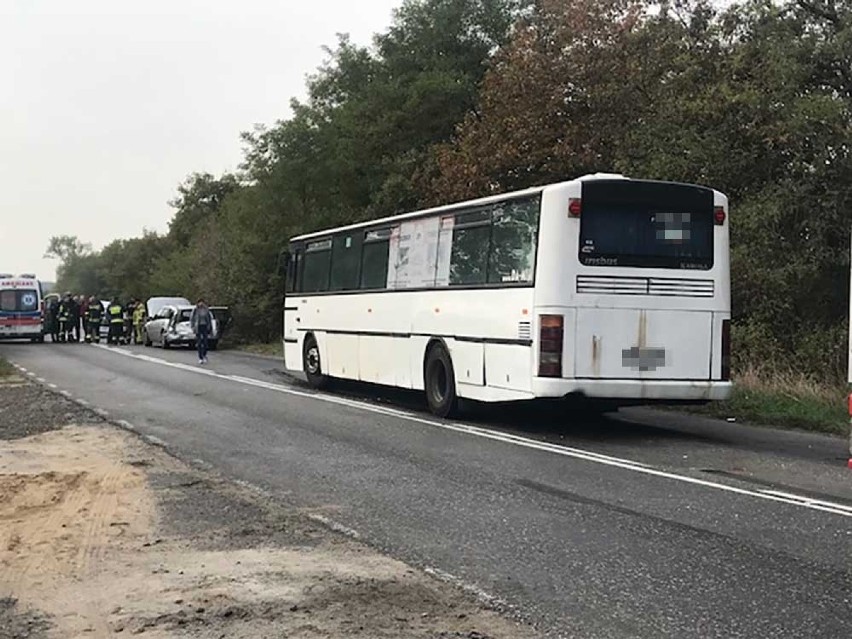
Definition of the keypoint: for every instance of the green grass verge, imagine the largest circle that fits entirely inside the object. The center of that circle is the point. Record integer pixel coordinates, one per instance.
(787, 400)
(6, 368)
(275, 349)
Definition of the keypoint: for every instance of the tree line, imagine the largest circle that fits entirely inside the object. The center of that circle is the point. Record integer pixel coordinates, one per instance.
(464, 98)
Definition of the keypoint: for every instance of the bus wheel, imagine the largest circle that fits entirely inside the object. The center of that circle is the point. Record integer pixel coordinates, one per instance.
(312, 365)
(440, 382)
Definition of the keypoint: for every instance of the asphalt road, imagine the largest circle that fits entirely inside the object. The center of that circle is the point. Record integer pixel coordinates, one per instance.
(645, 524)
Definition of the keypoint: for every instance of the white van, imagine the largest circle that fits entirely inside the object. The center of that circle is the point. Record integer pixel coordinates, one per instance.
(21, 313)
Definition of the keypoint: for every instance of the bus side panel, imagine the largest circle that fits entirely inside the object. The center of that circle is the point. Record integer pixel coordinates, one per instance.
(416, 358)
(468, 360)
(293, 356)
(509, 366)
(376, 360)
(341, 359)
(292, 343)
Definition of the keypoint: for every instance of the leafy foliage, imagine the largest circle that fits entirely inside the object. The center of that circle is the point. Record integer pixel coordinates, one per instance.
(461, 98)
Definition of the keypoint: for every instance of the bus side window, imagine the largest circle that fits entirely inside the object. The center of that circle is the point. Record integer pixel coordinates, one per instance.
(374, 259)
(513, 241)
(346, 261)
(317, 267)
(471, 240)
(294, 268)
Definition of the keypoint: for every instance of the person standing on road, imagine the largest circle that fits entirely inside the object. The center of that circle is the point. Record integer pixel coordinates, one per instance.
(138, 322)
(201, 323)
(83, 317)
(115, 312)
(53, 319)
(74, 319)
(64, 316)
(93, 319)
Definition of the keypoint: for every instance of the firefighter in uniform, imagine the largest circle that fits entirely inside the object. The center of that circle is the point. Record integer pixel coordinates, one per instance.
(53, 319)
(93, 321)
(115, 312)
(138, 322)
(64, 318)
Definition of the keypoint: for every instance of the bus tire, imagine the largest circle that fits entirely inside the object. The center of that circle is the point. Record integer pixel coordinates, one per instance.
(312, 365)
(440, 382)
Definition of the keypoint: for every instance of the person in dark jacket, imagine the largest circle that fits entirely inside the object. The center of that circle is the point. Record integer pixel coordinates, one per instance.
(53, 319)
(115, 312)
(83, 320)
(201, 323)
(65, 315)
(94, 312)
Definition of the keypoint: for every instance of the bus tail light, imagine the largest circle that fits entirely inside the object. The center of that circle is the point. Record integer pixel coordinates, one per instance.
(726, 350)
(550, 346)
(575, 207)
(719, 215)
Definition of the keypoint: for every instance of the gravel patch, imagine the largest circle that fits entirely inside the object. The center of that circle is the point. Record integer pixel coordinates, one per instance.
(29, 409)
(15, 624)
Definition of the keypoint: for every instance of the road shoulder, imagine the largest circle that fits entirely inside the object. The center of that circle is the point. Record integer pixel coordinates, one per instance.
(102, 533)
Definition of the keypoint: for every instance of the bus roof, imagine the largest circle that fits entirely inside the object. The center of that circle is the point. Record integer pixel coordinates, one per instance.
(466, 203)
(414, 214)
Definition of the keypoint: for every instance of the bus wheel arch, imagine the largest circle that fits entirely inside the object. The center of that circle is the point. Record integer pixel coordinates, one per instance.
(312, 362)
(439, 380)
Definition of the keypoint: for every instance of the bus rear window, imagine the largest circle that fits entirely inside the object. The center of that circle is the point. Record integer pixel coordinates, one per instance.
(646, 225)
(18, 300)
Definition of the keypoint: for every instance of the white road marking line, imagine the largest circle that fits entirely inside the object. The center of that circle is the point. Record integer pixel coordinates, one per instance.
(125, 424)
(335, 526)
(156, 441)
(476, 591)
(65, 394)
(53, 386)
(41, 380)
(576, 453)
(807, 500)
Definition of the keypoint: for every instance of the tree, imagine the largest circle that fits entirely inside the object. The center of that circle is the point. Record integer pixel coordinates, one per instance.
(199, 198)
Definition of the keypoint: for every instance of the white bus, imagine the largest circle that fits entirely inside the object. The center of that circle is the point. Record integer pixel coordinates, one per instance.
(21, 312)
(599, 287)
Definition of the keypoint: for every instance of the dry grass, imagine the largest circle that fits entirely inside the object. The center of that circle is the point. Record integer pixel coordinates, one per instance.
(274, 349)
(6, 368)
(785, 398)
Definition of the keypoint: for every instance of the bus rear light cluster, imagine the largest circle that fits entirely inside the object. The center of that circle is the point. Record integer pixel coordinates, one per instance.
(719, 215)
(575, 207)
(550, 342)
(726, 350)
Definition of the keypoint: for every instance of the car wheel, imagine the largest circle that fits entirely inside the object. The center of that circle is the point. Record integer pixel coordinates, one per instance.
(164, 344)
(312, 365)
(440, 382)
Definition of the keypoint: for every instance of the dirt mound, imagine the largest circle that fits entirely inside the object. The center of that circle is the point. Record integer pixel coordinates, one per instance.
(104, 535)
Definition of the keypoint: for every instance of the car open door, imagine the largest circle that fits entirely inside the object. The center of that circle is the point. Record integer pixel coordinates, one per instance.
(223, 317)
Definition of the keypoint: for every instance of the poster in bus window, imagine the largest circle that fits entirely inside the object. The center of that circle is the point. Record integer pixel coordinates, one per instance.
(413, 254)
(396, 260)
(445, 251)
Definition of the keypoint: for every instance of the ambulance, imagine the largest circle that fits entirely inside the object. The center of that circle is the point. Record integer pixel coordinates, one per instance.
(21, 314)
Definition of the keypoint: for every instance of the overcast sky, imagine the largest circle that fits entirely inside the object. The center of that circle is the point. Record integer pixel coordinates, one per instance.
(106, 105)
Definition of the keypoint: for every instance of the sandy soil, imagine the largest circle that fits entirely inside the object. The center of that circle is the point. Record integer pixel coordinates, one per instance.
(103, 536)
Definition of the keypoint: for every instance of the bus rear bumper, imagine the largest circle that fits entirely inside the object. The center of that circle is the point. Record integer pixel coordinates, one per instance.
(634, 389)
